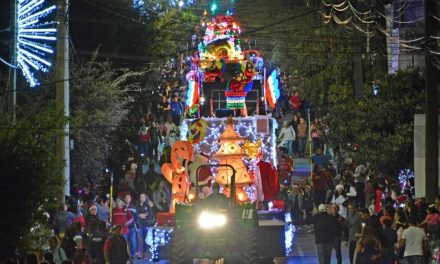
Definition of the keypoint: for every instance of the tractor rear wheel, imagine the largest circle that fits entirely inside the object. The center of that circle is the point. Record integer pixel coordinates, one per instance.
(249, 250)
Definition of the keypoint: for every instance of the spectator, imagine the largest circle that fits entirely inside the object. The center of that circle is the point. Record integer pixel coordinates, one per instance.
(92, 220)
(163, 109)
(296, 204)
(354, 228)
(373, 223)
(369, 248)
(161, 197)
(325, 234)
(413, 239)
(176, 110)
(340, 199)
(295, 102)
(378, 199)
(152, 179)
(172, 132)
(316, 132)
(294, 123)
(81, 255)
(145, 220)
(287, 138)
(144, 139)
(62, 220)
(321, 183)
(359, 183)
(155, 140)
(432, 222)
(122, 216)
(308, 205)
(302, 137)
(130, 237)
(340, 231)
(103, 209)
(390, 239)
(57, 252)
(67, 243)
(96, 244)
(318, 158)
(115, 248)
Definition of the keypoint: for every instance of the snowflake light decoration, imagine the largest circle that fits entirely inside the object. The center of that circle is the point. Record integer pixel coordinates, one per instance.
(36, 37)
(405, 176)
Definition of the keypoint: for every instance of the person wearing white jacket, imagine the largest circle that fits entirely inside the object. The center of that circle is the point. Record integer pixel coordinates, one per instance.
(287, 137)
(340, 198)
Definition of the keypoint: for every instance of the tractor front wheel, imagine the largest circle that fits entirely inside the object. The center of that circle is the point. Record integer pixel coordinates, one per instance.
(180, 252)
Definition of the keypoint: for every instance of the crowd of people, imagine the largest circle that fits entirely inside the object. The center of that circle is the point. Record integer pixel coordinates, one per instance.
(376, 217)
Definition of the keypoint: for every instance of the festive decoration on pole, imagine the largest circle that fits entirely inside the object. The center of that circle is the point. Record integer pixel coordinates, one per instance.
(35, 39)
(272, 88)
(197, 130)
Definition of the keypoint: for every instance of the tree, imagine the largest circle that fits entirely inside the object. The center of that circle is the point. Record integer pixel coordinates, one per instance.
(30, 172)
(382, 124)
(101, 97)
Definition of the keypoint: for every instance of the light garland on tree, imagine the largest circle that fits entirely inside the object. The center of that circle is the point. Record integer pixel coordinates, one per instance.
(34, 34)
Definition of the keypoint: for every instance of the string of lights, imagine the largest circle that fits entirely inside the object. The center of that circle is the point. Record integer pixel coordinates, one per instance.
(7, 63)
(367, 18)
(398, 21)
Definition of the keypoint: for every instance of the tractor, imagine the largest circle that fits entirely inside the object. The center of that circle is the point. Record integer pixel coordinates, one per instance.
(204, 231)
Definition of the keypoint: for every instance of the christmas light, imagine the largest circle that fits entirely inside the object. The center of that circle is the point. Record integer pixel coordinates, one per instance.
(246, 128)
(35, 38)
(182, 3)
(161, 237)
(404, 178)
(289, 233)
(272, 88)
(213, 7)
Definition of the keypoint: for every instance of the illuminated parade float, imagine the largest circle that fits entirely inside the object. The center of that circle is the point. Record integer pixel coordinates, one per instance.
(229, 139)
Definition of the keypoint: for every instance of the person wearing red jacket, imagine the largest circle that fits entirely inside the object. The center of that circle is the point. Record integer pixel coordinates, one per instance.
(122, 216)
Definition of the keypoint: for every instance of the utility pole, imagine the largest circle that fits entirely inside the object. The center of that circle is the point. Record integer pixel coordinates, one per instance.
(431, 105)
(62, 88)
(12, 91)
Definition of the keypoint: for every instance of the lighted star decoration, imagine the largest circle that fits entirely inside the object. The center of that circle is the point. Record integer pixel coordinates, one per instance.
(36, 38)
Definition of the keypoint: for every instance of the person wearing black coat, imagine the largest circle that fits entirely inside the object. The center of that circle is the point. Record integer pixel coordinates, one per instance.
(145, 220)
(325, 233)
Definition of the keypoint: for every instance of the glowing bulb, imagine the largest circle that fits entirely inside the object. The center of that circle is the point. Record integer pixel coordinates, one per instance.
(240, 196)
(191, 196)
(213, 7)
(181, 3)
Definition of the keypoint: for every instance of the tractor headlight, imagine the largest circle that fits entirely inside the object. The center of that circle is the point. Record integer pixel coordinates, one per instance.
(208, 220)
